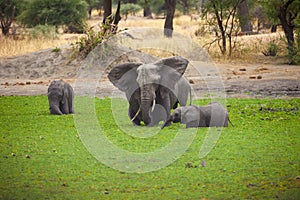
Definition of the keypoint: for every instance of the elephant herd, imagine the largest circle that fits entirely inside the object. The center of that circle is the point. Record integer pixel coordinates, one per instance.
(152, 90)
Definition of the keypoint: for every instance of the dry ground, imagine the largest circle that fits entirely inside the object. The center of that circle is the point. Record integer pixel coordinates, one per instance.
(249, 76)
(31, 74)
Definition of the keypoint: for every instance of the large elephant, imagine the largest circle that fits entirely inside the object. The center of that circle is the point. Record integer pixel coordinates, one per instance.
(152, 89)
(60, 97)
(211, 115)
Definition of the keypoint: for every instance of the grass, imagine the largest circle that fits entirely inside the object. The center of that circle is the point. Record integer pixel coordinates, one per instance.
(10, 47)
(42, 156)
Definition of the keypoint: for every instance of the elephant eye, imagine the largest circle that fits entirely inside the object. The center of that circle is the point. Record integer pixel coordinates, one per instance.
(176, 114)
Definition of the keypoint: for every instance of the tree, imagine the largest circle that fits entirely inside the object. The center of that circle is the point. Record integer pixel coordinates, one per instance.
(224, 18)
(145, 4)
(287, 16)
(158, 6)
(258, 14)
(107, 9)
(244, 17)
(93, 38)
(130, 8)
(185, 5)
(147, 12)
(9, 9)
(168, 27)
(55, 12)
(90, 7)
(287, 11)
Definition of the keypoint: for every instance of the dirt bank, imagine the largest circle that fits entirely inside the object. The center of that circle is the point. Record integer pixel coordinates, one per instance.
(31, 74)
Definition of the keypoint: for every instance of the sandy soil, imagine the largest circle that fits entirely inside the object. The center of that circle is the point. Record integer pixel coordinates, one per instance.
(32, 73)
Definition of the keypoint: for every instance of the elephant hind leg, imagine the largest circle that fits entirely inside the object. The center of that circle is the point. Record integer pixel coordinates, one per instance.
(71, 107)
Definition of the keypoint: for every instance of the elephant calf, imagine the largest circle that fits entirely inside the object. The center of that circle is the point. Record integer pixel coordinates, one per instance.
(211, 115)
(60, 97)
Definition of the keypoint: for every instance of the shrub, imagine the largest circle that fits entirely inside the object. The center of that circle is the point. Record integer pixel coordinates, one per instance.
(272, 49)
(43, 31)
(130, 8)
(55, 13)
(93, 38)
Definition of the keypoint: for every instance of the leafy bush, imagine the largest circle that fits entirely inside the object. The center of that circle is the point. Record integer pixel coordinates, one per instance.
(43, 31)
(272, 49)
(294, 57)
(88, 42)
(130, 8)
(93, 38)
(55, 13)
(76, 27)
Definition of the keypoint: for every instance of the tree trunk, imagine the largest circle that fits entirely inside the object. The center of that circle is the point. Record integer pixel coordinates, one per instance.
(7, 21)
(288, 27)
(168, 27)
(185, 5)
(5, 28)
(90, 12)
(244, 17)
(274, 28)
(221, 28)
(147, 12)
(107, 10)
(116, 18)
(147, 9)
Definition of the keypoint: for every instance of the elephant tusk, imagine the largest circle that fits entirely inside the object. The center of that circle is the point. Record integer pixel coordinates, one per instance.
(136, 114)
(153, 106)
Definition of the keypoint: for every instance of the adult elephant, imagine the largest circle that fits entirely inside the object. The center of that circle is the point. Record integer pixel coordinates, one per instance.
(148, 85)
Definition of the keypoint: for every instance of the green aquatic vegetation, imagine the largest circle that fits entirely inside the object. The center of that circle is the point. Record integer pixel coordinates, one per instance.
(42, 156)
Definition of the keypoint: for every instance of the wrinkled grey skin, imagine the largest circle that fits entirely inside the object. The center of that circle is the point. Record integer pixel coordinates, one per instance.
(60, 97)
(142, 83)
(211, 115)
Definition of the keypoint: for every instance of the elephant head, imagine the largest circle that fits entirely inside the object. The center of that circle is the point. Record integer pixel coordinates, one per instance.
(189, 115)
(148, 84)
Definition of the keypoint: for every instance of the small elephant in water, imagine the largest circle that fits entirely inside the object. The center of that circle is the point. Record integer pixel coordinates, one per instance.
(60, 97)
(211, 115)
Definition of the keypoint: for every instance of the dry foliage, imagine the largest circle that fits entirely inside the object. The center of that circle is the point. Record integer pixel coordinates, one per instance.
(246, 47)
(11, 47)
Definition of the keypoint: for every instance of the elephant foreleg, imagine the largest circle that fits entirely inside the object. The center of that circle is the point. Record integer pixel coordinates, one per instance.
(133, 115)
(165, 100)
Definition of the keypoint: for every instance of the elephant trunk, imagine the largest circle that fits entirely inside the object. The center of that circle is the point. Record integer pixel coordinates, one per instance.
(145, 108)
(147, 101)
(167, 123)
(54, 107)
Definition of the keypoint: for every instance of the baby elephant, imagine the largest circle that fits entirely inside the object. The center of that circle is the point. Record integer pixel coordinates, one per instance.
(211, 115)
(60, 97)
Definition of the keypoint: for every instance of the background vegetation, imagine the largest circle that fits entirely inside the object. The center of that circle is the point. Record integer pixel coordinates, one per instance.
(41, 155)
(220, 25)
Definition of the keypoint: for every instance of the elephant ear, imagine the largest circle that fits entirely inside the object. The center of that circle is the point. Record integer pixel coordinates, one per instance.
(124, 76)
(171, 70)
